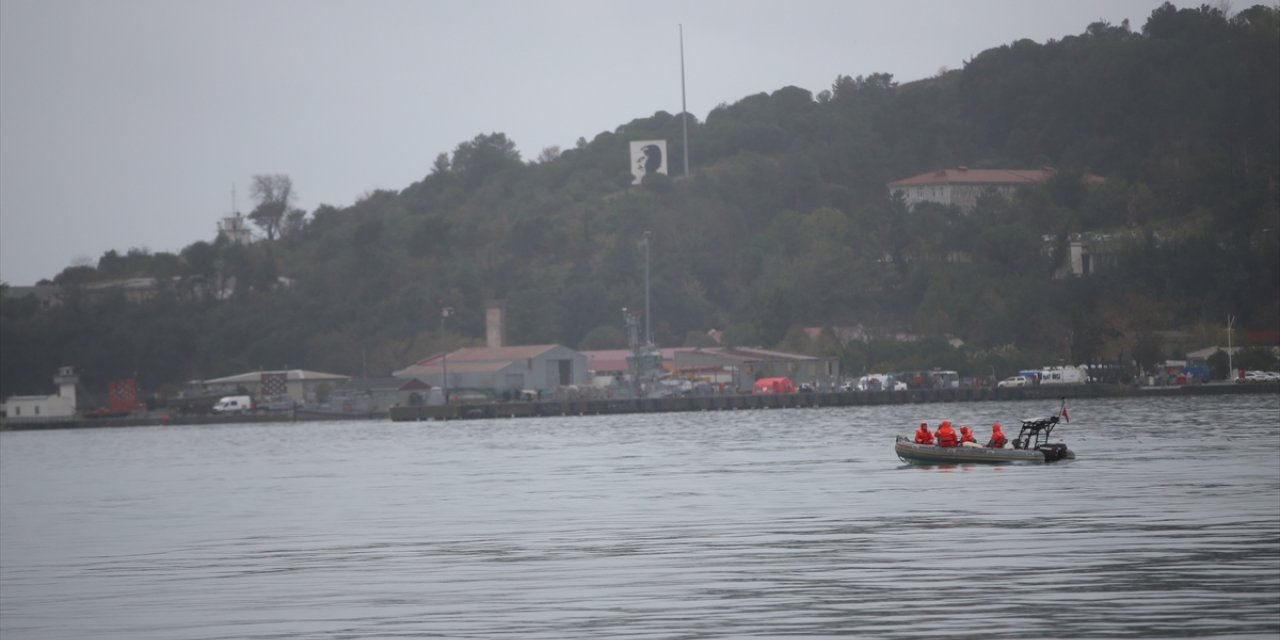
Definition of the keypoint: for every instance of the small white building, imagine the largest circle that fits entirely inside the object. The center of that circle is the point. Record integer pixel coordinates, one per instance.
(1087, 254)
(60, 406)
(235, 229)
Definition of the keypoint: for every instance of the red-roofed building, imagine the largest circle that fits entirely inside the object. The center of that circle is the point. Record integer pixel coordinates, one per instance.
(962, 186)
(744, 365)
(1268, 337)
(540, 367)
(614, 361)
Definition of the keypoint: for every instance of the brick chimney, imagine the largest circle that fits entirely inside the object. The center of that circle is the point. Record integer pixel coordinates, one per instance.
(495, 323)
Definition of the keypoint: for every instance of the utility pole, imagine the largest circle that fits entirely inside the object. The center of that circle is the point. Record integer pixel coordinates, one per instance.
(684, 109)
(648, 335)
(1231, 321)
(444, 360)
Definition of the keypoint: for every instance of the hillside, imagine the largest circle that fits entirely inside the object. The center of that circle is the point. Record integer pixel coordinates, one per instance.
(785, 222)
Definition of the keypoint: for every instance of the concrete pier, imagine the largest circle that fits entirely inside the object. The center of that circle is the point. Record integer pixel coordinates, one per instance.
(663, 405)
(810, 400)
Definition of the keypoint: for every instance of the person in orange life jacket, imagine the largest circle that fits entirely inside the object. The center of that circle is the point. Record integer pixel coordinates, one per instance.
(997, 437)
(966, 436)
(946, 435)
(922, 434)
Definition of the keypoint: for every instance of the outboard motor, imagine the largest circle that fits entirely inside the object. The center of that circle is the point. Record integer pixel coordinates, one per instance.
(1053, 452)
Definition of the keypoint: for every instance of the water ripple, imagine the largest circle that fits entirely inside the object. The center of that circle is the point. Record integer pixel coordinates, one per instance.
(744, 524)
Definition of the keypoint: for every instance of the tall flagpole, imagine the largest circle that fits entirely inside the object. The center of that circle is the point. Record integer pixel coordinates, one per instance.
(684, 110)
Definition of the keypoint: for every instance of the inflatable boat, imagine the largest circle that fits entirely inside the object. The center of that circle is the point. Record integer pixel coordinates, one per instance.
(1031, 446)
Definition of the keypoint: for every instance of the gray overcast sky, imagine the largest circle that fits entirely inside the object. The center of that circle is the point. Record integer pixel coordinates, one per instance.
(125, 123)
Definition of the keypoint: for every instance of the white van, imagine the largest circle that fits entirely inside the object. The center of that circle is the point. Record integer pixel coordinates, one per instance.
(234, 404)
(945, 379)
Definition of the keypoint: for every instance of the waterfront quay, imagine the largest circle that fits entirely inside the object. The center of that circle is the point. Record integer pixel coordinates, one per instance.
(571, 407)
(582, 407)
(162, 418)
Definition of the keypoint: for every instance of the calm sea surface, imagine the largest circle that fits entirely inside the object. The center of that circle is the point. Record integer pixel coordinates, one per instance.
(781, 523)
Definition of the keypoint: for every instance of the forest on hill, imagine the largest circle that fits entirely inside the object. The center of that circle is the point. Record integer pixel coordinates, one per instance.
(784, 222)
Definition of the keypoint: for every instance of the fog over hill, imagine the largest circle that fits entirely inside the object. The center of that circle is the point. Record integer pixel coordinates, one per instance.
(133, 134)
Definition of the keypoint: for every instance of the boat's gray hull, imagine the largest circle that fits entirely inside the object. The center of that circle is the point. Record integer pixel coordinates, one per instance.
(927, 453)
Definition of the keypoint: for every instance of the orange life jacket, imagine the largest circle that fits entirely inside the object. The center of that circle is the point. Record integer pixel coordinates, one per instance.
(946, 436)
(997, 438)
(923, 436)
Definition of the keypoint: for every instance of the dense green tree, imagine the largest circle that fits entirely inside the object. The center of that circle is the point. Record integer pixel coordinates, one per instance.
(604, 337)
(273, 194)
(200, 259)
(483, 157)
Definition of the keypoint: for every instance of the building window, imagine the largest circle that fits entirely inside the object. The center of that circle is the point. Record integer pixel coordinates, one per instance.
(17, 411)
(37, 409)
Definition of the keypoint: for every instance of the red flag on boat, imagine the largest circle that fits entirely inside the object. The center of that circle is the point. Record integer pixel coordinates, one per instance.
(1065, 417)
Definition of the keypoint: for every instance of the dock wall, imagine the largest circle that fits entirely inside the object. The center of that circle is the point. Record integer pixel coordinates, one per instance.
(805, 400)
(666, 405)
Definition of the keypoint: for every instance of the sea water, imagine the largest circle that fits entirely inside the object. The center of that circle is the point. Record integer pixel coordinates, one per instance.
(767, 523)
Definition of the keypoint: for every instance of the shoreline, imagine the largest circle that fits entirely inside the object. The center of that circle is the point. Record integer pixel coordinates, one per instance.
(815, 400)
(570, 407)
(160, 419)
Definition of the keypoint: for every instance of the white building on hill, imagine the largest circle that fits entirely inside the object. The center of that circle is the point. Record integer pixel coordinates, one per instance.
(963, 186)
(235, 228)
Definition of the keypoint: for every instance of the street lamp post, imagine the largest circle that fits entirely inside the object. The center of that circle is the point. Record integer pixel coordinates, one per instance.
(444, 360)
(1231, 321)
(648, 335)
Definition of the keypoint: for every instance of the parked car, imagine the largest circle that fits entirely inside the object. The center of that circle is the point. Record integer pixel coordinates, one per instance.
(878, 382)
(1261, 376)
(1014, 381)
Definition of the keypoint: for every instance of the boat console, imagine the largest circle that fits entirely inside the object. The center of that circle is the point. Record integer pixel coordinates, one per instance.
(1035, 435)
